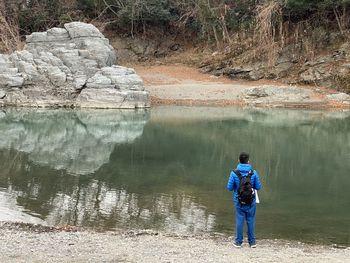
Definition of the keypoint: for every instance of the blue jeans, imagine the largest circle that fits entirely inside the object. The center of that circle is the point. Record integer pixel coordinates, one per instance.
(246, 212)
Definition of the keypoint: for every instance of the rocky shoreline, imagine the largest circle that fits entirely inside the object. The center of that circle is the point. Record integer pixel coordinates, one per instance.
(182, 85)
(35, 243)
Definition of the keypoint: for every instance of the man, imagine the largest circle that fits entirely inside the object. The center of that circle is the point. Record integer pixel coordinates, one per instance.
(245, 204)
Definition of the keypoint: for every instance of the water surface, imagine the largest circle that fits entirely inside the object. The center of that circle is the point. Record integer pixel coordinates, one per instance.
(167, 169)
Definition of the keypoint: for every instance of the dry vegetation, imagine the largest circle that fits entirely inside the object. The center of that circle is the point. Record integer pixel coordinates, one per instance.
(238, 31)
(9, 32)
(269, 29)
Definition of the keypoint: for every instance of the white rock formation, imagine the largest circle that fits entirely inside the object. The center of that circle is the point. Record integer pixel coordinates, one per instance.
(69, 67)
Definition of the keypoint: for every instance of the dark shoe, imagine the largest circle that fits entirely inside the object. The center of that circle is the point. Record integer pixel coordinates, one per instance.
(252, 245)
(237, 245)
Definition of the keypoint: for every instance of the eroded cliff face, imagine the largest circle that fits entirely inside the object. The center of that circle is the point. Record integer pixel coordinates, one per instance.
(69, 67)
(78, 142)
(328, 68)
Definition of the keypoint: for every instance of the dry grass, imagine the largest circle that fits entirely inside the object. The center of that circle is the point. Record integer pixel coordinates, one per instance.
(342, 83)
(9, 36)
(269, 30)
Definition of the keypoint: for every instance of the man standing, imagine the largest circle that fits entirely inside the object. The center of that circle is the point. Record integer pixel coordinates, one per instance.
(244, 181)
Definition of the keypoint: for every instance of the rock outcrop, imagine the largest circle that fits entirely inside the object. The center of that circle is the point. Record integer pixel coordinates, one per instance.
(331, 69)
(69, 67)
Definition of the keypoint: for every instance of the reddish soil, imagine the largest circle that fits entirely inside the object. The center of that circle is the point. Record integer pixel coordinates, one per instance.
(183, 85)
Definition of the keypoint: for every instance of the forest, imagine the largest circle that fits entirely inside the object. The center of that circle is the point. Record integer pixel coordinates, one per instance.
(264, 27)
(209, 20)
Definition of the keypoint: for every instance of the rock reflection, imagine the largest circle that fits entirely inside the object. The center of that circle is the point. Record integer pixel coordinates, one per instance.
(45, 152)
(76, 141)
(9, 211)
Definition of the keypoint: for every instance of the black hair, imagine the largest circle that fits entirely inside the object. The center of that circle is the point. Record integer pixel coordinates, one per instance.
(243, 157)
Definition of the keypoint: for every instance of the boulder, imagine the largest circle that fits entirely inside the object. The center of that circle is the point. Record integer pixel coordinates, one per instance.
(78, 29)
(282, 69)
(267, 94)
(98, 80)
(105, 98)
(324, 70)
(11, 80)
(56, 76)
(75, 66)
(57, 34)
(238, 72)
(257, 92)
(339, 97)
(117, 76)
(37, 37)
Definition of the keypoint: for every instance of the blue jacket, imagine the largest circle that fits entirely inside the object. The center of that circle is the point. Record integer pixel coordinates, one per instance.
(233, 181)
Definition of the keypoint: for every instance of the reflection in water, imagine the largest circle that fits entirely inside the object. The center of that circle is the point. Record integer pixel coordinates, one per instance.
(76, 141)
(168, 171)
(97, 206)
(9, 211)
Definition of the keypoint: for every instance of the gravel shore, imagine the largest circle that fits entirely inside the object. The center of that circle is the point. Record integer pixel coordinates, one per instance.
(183, 85)
(29, 243)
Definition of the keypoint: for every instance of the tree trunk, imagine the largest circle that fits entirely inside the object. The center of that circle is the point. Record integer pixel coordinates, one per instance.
(338, 21)
(225, 33)
(216, 38)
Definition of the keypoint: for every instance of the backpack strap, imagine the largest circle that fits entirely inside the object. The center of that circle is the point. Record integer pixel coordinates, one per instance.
(250, 173)
(238, 173)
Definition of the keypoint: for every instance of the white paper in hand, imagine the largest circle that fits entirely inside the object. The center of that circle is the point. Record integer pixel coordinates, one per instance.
(257, 200)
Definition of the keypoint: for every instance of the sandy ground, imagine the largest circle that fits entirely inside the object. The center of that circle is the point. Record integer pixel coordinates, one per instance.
(183, 85)
(39, 244)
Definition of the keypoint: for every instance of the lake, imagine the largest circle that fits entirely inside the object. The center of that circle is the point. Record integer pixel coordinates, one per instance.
(166, 169)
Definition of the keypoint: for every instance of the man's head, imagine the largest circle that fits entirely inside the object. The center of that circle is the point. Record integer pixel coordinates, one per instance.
(243, 157)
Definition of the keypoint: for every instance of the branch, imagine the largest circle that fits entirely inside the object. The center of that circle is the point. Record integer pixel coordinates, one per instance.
(110, 7)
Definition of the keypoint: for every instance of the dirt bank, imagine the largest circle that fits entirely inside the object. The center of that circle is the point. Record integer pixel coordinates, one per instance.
(183, 85)
(26, 243)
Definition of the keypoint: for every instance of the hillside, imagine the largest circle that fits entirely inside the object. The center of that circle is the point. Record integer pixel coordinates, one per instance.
(295, 41)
